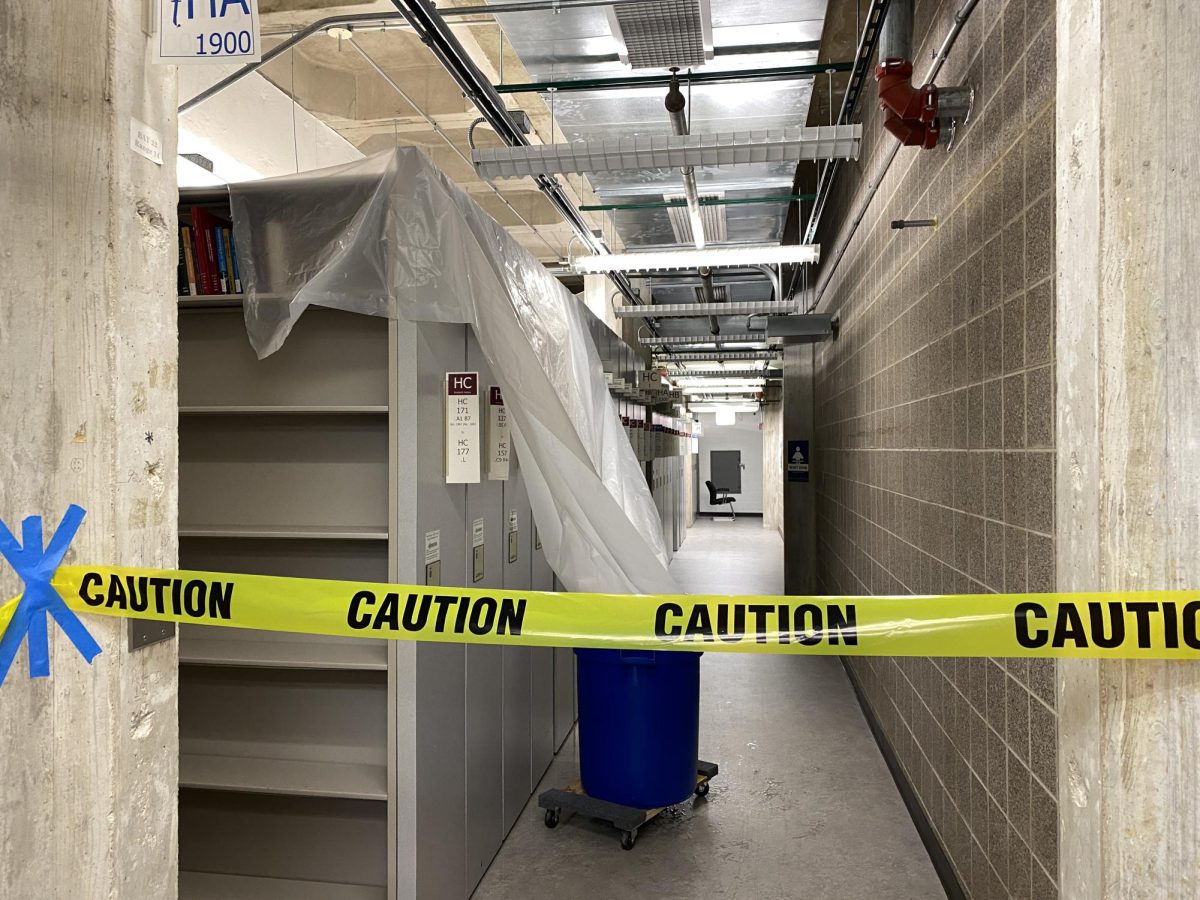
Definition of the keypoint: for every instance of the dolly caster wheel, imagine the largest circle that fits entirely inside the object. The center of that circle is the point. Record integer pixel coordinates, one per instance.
(551, 818)
(702, 789)
(628, 839)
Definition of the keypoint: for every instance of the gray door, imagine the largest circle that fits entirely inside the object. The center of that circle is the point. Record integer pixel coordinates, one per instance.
(725, 469)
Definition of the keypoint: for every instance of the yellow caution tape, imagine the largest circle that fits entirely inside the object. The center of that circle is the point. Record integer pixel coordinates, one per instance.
(1143, 624)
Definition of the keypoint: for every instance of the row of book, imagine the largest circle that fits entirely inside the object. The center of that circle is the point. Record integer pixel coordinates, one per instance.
(208, 262)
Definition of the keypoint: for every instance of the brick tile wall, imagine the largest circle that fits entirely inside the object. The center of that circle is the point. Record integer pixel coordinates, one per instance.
(935, 434)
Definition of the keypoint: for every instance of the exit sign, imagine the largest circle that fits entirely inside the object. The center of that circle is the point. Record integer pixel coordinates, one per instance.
(207, 31)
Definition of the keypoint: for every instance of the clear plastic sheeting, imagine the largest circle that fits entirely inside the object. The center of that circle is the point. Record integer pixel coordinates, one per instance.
(392, 236)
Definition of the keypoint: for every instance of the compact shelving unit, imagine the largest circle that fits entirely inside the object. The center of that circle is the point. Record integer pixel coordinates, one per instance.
(341, 768)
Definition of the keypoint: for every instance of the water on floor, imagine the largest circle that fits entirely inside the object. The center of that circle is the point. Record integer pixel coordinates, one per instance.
(804, 805)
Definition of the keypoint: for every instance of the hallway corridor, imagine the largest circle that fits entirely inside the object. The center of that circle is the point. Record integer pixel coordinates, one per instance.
(804, 805)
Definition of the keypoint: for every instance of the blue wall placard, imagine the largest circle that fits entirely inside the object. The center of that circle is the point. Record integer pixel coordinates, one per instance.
(797, 460)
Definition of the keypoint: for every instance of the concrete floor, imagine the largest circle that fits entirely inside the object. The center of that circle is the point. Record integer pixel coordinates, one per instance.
(804, 805)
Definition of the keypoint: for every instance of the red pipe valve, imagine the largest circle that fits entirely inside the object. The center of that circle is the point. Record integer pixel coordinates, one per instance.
(912, 112)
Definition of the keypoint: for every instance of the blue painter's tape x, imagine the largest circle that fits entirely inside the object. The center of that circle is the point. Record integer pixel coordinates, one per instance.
(36, 566)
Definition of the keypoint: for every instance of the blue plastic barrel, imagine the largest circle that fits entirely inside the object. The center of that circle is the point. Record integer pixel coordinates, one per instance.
(639, 725)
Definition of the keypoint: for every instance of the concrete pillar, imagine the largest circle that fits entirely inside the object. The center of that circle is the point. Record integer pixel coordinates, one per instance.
(799, 498)
(1128, 497)
(88, 405)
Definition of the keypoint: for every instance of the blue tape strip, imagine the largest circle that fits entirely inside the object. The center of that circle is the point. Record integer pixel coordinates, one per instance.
(35, 566)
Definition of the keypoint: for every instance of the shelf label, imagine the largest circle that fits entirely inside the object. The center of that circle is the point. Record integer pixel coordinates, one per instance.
(477, 550)
(462, 427)
(499, 442)
(433, 557)
(145, 141)
(218, 32)
(514, 546)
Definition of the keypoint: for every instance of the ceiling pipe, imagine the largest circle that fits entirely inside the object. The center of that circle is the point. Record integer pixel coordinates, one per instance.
(675, 104)
(626, 82)
(960, 20)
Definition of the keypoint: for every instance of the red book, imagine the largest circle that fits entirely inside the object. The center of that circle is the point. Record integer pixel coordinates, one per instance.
(203, 223)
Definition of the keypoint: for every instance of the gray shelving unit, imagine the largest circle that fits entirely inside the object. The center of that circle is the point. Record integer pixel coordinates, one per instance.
(339, 768)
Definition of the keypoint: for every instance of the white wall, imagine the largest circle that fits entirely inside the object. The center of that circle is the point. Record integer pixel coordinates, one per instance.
(746, 436)
(248, 131)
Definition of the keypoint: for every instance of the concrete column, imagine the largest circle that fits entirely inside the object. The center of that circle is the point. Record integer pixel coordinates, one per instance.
(88, 405)
(799, 498)
(1128, 496)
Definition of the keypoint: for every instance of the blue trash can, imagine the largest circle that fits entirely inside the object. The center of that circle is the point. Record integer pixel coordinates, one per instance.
(639, 725)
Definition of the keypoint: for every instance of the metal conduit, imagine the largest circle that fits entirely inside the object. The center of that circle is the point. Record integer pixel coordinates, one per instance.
(960, 19)
(675, 104)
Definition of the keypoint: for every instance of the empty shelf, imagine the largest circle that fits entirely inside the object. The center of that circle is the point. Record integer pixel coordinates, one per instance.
(282, 410)
(303, 778)
(290, 655)
(301, 532)
(209, 886)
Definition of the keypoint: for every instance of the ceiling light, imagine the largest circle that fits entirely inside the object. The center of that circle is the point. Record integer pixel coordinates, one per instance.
(677, 151)
(775, 374)
(725, 416)
(692, 391)
(710, 257)
(340, 32)
(720, 383)
(719, 355)
(702, 338)
(736, 308)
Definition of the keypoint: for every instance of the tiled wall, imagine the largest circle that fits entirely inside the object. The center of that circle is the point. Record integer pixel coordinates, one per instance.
(935, 442)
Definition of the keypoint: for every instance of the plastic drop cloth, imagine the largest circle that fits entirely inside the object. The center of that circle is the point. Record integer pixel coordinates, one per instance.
(392, 236)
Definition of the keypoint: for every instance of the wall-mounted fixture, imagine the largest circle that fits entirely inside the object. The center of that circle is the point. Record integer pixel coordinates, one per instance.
(898, 224)
(805, 329)
(709, 257)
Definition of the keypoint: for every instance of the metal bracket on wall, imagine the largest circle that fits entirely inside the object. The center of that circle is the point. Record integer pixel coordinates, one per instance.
(142, 633)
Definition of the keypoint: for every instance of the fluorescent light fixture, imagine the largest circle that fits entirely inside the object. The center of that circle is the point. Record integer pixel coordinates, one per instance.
(709, 257)
(718, 384)
(719, 355)
(671, 151)
(681, 310)
(726, 373)
(694, 391)
(727, 416)
(703, 339)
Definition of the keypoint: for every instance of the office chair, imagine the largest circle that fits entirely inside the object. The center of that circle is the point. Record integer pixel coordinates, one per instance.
(718, 496)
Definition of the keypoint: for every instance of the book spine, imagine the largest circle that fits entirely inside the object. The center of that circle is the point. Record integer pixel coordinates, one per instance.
(204, 256)
(235, 283)
(222, 272)
(237, 272)
(189, 258)
(181, 277)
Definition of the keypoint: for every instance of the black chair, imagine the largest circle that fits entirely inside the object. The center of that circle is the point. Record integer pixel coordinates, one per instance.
(719, 496)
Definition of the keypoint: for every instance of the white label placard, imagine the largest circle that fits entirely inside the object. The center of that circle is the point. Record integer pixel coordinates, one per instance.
(512, 521)
(477, 533)
(499, 441)
(145, 141)
(433, 546)
(207, 31)
(462, 427)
